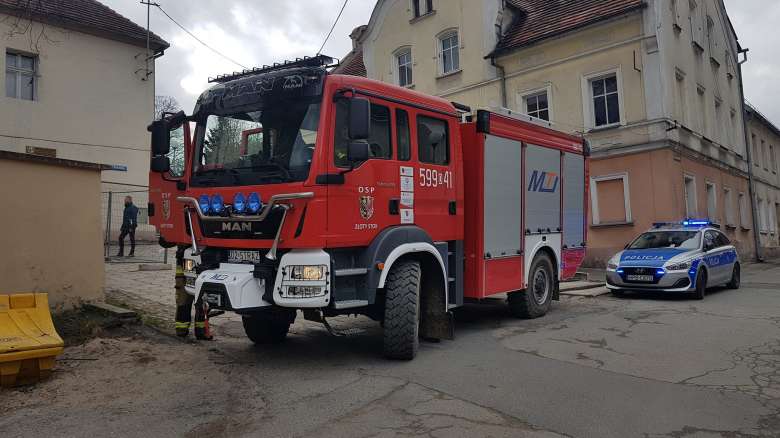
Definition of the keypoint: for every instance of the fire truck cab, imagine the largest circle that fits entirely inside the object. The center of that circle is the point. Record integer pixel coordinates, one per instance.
(333, 195)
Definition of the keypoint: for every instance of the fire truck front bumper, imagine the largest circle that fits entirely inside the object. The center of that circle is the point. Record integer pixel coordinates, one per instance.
(231, 287)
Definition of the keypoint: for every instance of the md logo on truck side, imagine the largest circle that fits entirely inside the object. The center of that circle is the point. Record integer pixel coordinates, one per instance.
(537, 183)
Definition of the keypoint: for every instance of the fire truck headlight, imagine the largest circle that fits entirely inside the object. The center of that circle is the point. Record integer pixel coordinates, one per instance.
(204, 203)
(307, 272)
(217, 203)
(254, 202)
(239, 202)
(189, 265)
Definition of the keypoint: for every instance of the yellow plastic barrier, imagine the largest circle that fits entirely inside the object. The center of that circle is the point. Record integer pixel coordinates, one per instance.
(29, 343)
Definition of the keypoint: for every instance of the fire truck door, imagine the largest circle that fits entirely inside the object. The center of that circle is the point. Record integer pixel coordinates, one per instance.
(168, 213)
(369, 199)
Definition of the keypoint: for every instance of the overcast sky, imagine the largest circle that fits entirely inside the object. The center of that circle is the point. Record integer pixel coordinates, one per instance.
(256, 32)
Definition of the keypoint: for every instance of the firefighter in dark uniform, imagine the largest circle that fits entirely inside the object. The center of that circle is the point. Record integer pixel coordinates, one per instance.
(184, 305)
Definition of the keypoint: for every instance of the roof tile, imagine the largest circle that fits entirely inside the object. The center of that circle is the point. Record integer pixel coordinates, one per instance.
(541, 19)
(83, 14)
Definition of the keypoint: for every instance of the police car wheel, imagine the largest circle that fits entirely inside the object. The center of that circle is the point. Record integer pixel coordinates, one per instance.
(735, 278)
(534, 301)
(701, 285)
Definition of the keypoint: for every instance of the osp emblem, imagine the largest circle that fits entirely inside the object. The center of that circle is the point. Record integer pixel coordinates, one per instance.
(544, 182)
(366, 207)
(166, 209)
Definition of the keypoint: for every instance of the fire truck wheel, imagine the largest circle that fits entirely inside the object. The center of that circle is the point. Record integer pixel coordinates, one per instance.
(534, 301)
(402, 318)
(262, 329)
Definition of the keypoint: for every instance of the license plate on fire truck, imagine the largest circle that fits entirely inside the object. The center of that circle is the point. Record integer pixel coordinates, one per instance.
(243, 256)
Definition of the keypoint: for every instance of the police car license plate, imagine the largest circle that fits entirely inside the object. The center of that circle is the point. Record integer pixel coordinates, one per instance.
(243, 256)
(639, 278)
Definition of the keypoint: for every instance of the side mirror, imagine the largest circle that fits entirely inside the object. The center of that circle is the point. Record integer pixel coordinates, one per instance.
(358, 152)
(435, 138)
(359, 118)
(161, 137)
(178, 118)
(161, 164)
(708, 247)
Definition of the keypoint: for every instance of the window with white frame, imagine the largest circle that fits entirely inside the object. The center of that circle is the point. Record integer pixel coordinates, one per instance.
(772, 221)
(403, 66)
(762, 215)
(755, 149)
(691, 208)
(729, 206)
(763, 155)
(712, 203)
(673, 7)
(536, 102)
(609, 193)
(702, 109)
(734, 129)
(695, 22)
(416, 12)
(20, 77)
(743, 219)
(682, 97)
(602, 98)
(711, 37)
(773, 157)
(449, 52)
(719, 121)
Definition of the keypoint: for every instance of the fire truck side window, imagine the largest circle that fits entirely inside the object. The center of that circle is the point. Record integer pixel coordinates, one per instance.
(176, 155)
(380, 140)
(402, 135)
(427, 152)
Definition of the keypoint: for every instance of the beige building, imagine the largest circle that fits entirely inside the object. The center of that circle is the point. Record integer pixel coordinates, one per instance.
(88, 97)
(653, 85)
(53, 235)
(764, 144)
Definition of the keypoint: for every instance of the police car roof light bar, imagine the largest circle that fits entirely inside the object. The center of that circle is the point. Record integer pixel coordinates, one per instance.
(683, 223)
(306, 61)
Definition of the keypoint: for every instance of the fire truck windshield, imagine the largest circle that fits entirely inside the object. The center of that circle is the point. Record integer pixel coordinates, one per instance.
(270, 143)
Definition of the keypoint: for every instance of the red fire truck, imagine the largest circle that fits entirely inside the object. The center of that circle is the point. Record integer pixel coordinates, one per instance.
(334, 195)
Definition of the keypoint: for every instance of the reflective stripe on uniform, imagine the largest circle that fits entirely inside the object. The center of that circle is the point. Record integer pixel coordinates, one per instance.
(183, 325)
(180, 271)
(200, 324)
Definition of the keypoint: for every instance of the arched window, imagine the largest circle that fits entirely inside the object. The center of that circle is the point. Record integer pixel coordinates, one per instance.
(449, 51)
(402, 66)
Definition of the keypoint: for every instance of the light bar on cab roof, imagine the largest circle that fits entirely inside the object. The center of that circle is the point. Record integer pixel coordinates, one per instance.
(683, 223)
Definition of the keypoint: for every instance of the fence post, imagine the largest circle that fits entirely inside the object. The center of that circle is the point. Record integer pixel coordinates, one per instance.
(108, 226)
(165, 257)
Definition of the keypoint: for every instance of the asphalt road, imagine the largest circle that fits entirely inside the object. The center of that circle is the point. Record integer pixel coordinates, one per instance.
(639, 366)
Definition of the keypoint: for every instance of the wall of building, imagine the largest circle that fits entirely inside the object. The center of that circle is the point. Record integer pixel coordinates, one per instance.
(765, 146)
(91, 104)
(657, 193)
(52, 235)
(399, 29)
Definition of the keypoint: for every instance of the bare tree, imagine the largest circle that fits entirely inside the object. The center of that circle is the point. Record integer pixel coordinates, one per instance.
(39, 20)
(165, 104)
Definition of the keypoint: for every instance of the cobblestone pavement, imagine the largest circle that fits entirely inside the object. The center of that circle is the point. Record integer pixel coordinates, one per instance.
(644, 365)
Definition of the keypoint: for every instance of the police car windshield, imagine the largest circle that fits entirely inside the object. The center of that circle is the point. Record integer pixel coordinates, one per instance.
(667, 240)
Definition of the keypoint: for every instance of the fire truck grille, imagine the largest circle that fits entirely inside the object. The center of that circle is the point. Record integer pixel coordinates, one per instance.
(235, 228)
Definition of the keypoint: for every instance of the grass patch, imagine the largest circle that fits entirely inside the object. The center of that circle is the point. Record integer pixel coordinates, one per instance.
(80, 325)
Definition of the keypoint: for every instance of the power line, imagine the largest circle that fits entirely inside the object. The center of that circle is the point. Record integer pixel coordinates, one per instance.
(198, 40)
(334, 26)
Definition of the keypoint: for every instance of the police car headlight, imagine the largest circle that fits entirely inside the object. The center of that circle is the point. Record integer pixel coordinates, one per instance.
(189, 265)
(307, 272)
(611, 265)
(679, 266)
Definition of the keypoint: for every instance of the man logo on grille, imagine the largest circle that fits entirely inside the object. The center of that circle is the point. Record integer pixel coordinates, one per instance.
(366, 207)
(166, 209)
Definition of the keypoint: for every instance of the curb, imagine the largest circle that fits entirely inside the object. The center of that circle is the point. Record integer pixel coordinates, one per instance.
(154, 267)
(112, 310)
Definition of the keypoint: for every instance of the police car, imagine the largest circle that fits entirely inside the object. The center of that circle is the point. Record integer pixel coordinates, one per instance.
(687, 256)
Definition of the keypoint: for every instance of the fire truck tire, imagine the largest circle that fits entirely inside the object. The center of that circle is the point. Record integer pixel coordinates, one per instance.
(402, 317)
(261, 329)
(534, 301)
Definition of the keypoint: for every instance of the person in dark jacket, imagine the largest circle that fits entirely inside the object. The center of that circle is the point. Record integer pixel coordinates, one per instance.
(129, 224)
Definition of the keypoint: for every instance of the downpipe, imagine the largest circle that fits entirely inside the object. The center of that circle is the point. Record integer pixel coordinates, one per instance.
(503, 81)
(751, 179)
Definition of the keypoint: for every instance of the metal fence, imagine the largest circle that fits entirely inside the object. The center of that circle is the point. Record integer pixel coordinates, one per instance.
(147, 250)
